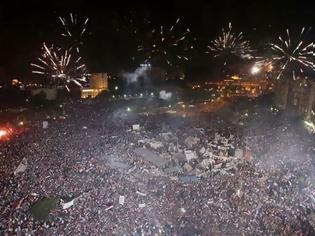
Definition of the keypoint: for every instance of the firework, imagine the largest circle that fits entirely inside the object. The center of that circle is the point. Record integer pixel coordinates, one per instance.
(293, 53)
(60, 66)
(132, 23)
(133, 26)
(230, 43)
(167, 45)
(262, 66)
(74, 31)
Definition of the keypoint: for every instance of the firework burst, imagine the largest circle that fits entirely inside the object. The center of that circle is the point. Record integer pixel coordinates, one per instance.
(60, 66)
(230, 43)
(167, 45)
(294, 53)
(74, 31)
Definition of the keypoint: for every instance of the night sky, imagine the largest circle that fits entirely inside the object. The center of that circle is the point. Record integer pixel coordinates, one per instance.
(25, 25)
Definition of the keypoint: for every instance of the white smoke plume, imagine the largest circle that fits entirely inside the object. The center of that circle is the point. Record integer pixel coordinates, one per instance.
(133, 77)
(165, 95)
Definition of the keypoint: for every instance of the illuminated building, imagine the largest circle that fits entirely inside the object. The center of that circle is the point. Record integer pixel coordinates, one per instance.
(98, 83)
(237, 87)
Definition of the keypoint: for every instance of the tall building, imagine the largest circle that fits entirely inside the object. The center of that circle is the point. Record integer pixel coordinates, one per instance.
(98, 83)
(298, 96)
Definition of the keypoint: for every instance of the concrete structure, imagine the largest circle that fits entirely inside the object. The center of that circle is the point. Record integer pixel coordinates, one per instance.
(98, 83)
(296, 95)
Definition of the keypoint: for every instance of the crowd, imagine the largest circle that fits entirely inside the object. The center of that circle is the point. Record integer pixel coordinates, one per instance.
(88, 158)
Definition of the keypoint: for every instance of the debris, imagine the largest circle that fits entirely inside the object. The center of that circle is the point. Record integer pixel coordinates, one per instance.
(21, 167)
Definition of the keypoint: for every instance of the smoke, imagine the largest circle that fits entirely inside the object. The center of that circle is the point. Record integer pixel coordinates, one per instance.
(165, 95)
(137, 81)
(283, 151)
(134, 76)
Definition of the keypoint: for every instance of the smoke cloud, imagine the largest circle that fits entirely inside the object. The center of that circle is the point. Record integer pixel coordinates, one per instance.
(165, 95)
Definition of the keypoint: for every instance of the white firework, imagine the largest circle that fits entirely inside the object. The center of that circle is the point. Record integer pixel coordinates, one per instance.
(230, 43)
(74, 31)
(167, 44)
(60, 66)
(293, 53)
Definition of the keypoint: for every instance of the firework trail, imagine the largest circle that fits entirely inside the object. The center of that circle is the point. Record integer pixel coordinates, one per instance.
(134, 27)
(293, 53)
(167, 45)
(74, 31)
(60, 66)
(230, 43)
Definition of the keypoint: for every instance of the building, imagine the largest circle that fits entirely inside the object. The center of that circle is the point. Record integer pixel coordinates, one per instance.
(236, 87)
(98, 83)
(297, 96)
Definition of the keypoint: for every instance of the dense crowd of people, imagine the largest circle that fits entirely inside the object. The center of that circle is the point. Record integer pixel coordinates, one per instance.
(71, 160)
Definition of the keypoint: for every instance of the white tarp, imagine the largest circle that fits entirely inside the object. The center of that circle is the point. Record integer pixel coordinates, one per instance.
(67, 204)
